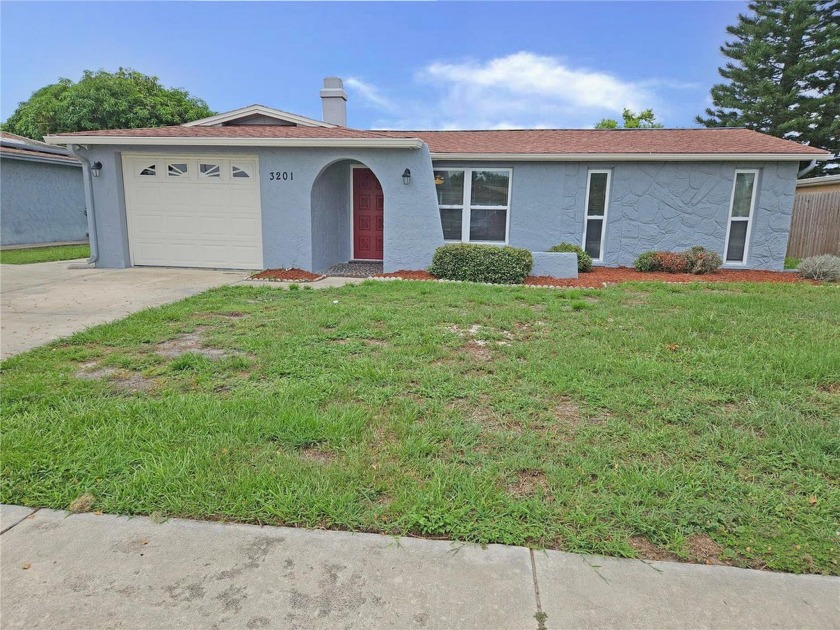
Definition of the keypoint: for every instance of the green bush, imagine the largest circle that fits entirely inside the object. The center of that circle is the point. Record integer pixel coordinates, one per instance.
(825, 268)
(482, 263)
(646, 261)
(701, 261)
(584, 259)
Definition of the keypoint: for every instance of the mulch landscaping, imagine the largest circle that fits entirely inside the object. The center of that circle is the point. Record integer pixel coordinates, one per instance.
(600, 276)
(287, 275)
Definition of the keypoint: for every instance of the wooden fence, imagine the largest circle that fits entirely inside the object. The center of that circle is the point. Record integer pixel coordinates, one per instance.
(815, 225)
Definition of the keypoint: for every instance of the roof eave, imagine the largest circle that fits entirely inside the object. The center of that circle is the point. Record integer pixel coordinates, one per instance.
(632, 157)
(39, 158)
(201, 141)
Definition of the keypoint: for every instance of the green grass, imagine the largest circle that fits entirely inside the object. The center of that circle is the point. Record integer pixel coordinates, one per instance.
(570, 419)
(791, 262)
(43, 254)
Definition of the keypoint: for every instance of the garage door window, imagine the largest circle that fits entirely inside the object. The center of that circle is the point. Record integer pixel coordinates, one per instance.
(149, 171)
(240, 171)
(209, 170)
(179, 169)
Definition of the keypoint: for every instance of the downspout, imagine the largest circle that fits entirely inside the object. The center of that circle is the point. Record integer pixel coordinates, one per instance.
(807, 169)
(91, 212)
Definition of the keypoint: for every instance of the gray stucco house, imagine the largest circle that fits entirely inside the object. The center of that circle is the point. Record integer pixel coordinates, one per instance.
(42, 196)
(260, 188)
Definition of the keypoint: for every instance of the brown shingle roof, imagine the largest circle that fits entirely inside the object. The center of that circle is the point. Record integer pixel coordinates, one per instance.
(630, 141)
(13, 145)
(517, 141)
(233, 131)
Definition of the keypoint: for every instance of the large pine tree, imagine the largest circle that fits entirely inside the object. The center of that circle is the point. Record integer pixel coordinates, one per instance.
(784, 75)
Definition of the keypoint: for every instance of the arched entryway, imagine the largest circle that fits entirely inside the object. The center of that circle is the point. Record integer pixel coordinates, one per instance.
(348, 219)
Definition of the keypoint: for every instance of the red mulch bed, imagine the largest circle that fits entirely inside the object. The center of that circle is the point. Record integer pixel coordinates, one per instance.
(614, 275)
(287, 275)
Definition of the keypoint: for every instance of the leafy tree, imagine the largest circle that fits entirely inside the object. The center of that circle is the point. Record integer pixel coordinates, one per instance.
(645, 119)
(104, 100)
(784, 75)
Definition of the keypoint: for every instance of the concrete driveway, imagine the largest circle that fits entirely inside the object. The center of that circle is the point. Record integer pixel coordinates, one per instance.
(46, 301)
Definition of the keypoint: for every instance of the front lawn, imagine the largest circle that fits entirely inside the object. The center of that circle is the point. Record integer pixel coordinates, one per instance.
(696, 421)
(43, 254)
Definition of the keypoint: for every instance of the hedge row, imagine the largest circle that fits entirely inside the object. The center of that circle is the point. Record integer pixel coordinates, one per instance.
(696, 260)
(482, 263)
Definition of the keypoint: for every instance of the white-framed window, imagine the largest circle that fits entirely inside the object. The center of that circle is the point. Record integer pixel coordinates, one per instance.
(597, 205)
(740, 216)
(474, 204)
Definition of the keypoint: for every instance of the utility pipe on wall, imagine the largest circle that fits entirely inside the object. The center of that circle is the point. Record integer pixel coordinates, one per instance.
(91, 211)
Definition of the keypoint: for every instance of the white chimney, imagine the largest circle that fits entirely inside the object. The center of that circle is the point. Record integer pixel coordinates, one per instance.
(334, 101)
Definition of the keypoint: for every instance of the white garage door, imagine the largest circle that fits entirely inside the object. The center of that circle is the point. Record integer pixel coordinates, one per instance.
(199, 211)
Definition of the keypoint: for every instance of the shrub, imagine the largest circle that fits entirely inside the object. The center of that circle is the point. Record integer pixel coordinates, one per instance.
(699, 260)
(825, 267)
(482, 263)
(671, 262)
(584, 259)
(646, 262)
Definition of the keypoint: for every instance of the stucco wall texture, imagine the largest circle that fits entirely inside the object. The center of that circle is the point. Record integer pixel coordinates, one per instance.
(306, 222)
(41, 203)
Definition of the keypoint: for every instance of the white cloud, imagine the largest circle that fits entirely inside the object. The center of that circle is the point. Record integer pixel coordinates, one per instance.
(370, 93)
(521, 90)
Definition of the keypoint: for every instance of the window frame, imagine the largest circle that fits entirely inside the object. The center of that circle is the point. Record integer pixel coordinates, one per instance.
(466, 207)
(748, 219)
(602, 217)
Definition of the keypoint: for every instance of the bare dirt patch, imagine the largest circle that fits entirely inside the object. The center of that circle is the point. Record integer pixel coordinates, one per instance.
(830, 388)
(703, 549)
(567, 411)
(648, 551)
(82, 503)
(317, 454)
(124, 380)
(530, 483)
(478, 350)
(191, 343)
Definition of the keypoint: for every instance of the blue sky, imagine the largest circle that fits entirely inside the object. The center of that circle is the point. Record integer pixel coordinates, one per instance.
(406, 65)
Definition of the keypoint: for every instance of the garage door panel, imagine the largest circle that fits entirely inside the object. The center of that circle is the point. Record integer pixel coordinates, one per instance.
(193, 221)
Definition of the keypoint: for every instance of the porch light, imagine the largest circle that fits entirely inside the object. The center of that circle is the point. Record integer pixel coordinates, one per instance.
(406, 177)
(96, 168)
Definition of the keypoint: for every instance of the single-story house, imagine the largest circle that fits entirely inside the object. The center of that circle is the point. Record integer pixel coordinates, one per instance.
(42, 198)
(261, 188)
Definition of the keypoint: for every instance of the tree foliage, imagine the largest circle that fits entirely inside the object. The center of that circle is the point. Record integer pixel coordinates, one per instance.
(783, 77)
(104, 100)
(645, 119)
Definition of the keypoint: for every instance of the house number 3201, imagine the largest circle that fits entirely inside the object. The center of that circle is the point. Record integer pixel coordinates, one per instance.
(281, 176)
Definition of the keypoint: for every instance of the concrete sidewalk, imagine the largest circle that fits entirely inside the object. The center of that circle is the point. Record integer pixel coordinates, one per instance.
(88, 571)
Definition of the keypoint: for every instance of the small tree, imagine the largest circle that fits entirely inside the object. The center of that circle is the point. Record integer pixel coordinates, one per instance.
(645, 119)
(104, 100)
(782, 75)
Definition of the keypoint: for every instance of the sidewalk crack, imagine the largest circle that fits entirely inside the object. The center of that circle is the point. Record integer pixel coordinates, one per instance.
(19, 521)
(540, 616)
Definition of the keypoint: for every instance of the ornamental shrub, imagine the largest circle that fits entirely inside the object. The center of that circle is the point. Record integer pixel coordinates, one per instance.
(482, 263)
(584, 259)
(671, 262)
(825, 267)
(646, 261)
(700, 261)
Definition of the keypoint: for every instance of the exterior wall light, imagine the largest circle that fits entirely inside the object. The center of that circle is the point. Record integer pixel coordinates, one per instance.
(96, 168)
(406, 177)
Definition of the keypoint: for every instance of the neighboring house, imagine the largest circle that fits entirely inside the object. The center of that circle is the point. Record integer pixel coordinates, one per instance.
(42, 197)
(261, 188)
(815, 227)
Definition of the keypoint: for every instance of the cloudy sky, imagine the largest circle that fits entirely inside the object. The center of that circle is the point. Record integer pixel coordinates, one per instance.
(406, 65)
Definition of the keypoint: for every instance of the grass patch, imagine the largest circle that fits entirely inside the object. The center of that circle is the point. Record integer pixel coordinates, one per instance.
(791, 262)
(43, 254)
(694, 421)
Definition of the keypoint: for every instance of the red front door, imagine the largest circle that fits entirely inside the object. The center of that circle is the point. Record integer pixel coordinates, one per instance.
(368, 215)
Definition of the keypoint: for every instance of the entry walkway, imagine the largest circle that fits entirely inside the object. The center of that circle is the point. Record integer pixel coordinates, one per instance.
(98, 571)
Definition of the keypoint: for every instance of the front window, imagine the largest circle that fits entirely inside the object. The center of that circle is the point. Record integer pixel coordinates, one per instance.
(743, 201)
(474, 204)
(597, 200)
